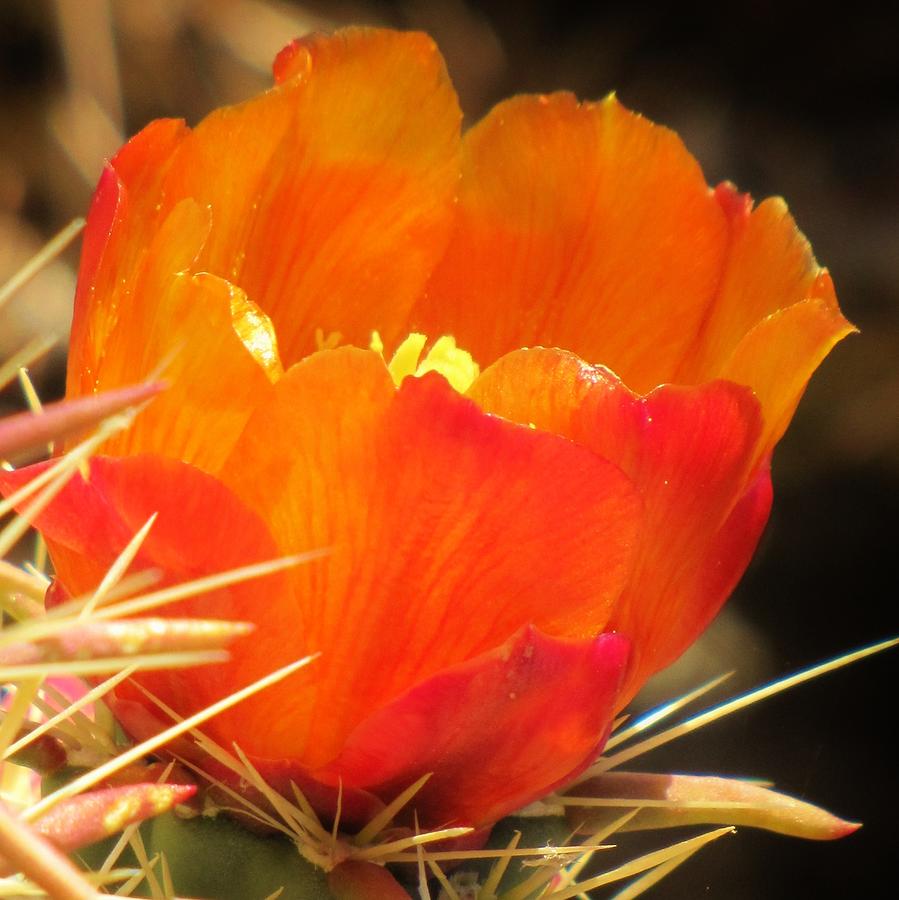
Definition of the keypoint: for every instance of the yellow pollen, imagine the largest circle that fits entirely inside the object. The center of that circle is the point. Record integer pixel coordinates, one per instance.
(405, 360)
(453, 363)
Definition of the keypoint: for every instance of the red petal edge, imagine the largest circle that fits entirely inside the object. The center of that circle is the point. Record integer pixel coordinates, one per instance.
(498, 731)
(201, 529)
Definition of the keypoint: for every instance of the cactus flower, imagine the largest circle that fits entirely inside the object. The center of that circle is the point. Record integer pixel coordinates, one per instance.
(522, 385)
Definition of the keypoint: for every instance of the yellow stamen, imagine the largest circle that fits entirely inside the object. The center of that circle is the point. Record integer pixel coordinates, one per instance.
(453, 363)
(405, 360)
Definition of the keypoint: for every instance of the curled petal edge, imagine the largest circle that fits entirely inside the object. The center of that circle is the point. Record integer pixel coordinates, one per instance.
(497, 731)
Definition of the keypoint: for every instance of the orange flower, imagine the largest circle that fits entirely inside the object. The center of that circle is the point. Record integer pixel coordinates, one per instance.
(513, 550)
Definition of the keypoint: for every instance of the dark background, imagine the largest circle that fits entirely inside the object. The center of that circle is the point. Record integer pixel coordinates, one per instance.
(780, 100)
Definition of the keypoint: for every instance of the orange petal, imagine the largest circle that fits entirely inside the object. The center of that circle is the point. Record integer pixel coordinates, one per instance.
(201, 529)
(497, 731)
(779, 355)
(689, 451)
(216, 379)
(446, 535)
(769, 267)
(581, 226)
(775, 316)
(171, 316)
(332, 194)
(120, 225)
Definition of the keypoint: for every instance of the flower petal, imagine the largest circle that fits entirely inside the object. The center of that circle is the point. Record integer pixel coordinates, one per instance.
(724, 559)
(596, 227)
(120, 228)
(214, 383)
(689, 451)
(775, 316)
(332, 194)
(201, 529)
(498, 731)
(446, 535)
(769, 267)
(215, 377)
(778, 356)
(571, 217)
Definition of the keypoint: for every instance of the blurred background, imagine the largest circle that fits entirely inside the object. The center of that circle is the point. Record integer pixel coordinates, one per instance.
(778, 101)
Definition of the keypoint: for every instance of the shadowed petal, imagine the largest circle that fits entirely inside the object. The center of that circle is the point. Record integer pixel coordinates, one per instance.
(498, 731)
(724, 560)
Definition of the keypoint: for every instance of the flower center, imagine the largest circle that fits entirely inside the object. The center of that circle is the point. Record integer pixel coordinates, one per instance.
(453, 363)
